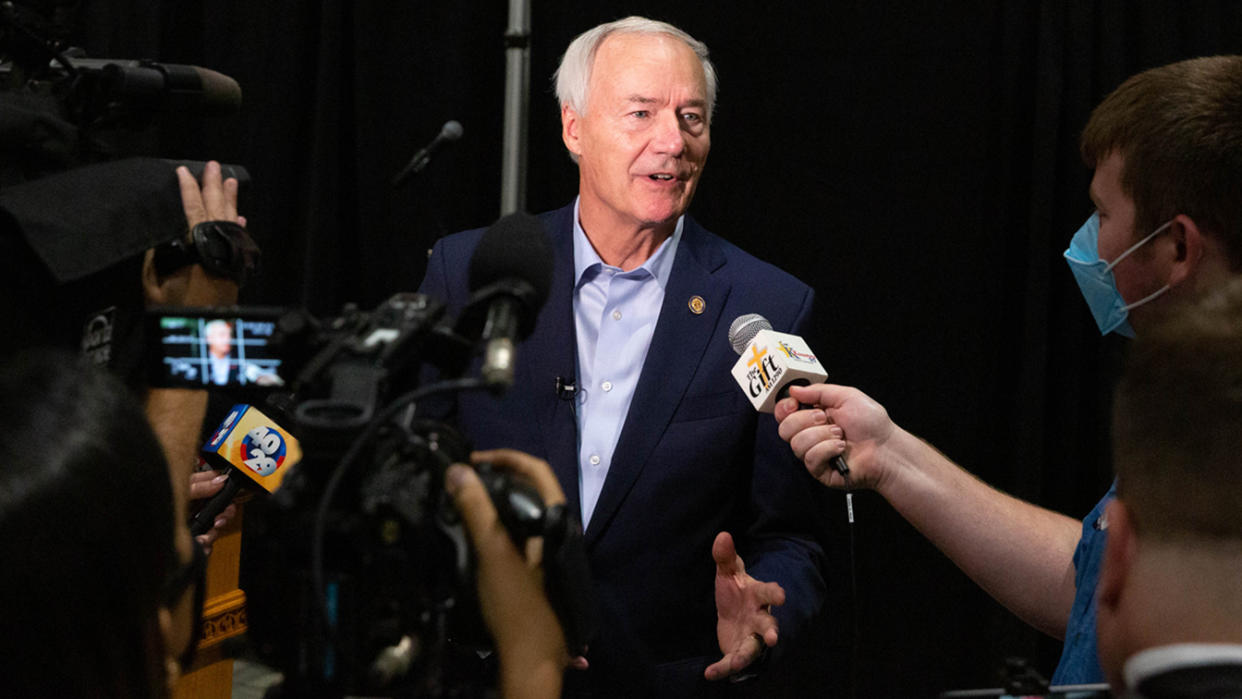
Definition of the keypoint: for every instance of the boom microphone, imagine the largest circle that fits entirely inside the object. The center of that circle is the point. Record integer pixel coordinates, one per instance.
(252, 450)
(510, 275)
(770, 363)
(163, 86)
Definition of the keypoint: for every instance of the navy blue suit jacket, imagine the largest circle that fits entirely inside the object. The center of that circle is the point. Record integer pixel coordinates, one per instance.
(693, 459)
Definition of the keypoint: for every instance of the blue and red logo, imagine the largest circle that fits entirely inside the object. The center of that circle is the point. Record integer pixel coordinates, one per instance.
(263, 450)
(224, 427)
(792, 352)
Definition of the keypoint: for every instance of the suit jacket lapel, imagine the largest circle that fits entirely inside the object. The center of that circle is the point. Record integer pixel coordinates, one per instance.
(680, 338)
(551, 352)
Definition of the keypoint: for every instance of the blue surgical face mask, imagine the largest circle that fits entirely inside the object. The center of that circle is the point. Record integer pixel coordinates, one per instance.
(1095, 278)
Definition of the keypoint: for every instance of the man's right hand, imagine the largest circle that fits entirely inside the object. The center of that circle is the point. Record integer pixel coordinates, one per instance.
(842, 420)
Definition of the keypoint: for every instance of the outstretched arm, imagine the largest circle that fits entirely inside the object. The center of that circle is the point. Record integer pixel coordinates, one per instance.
(1019, 553)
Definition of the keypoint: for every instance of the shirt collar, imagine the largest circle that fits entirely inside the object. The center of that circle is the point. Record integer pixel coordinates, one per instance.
(1153, 661)
(659, 265)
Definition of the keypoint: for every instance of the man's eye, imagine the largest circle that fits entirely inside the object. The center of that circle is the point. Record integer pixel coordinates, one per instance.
(692, 117)
(641, 113)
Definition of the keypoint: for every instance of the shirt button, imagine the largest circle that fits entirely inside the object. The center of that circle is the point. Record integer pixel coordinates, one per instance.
(607, 386)
(594, 459)
(616, 315)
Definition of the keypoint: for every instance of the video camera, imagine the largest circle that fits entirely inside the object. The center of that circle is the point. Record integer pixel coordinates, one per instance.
(373, 579)
(76, 213)
(377, 594)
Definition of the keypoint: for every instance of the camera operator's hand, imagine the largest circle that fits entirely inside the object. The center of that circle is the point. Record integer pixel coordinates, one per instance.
(214, 200)
(176, 414)
(528, 636)
(203, 485)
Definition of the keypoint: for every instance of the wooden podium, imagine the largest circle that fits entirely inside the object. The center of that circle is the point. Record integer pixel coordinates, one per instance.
(224, 617)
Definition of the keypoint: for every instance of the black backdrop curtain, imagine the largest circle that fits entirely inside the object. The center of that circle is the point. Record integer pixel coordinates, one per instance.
(916, 162)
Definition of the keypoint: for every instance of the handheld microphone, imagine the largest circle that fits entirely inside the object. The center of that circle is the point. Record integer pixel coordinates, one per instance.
(252, 450)
(451, 131)
(770, 363)
(510, 275)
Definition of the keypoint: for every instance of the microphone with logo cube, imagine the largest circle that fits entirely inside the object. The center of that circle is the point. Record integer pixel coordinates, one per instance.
(770, 362)
(253, 451)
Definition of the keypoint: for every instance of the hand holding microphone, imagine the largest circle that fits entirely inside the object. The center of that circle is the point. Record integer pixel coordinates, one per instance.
(203, 485)
(771, 364)
(841, 413)
(251, 450)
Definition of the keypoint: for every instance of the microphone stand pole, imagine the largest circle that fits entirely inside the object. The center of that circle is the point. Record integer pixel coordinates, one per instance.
(517, 102)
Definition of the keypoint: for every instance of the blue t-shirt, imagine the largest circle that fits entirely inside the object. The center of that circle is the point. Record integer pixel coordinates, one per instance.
(1080, 660)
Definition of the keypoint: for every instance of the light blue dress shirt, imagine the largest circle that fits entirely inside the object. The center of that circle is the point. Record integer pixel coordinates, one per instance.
(615, 315)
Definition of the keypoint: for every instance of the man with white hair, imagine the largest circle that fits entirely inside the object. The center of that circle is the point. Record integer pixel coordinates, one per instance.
(660, 455)
(221, 367)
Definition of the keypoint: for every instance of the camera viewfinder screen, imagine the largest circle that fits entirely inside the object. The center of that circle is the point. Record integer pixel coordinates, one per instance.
(210, 352)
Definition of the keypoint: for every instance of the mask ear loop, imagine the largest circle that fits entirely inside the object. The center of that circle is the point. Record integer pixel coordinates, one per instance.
(1125, 254)
(1138, 245)
(1147, 298)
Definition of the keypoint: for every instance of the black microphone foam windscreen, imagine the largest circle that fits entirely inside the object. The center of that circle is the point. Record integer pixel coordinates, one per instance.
(515, 247)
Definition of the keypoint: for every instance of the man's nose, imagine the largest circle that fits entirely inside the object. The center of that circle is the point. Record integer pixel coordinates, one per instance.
(669, 137)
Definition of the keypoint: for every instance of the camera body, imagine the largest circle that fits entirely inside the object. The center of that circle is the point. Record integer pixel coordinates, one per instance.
(366, 563)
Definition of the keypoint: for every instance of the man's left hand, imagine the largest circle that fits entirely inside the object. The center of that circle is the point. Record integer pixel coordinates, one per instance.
(744, 625)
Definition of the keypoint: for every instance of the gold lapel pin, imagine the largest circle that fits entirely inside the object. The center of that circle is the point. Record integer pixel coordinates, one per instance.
(697, 305)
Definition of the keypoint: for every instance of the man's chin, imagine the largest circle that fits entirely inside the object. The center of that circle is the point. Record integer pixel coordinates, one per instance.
(664, 212)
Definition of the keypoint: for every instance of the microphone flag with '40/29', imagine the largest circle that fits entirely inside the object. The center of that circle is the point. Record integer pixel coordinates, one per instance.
(254, 444)
(770, 361)
(251, 444)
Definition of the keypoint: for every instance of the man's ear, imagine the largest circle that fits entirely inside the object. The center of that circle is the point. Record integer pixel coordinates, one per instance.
(1119, 557)
(571, 129)
(1188, 248)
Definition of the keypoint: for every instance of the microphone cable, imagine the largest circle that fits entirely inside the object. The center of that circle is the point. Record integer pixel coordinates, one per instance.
(856, 641)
